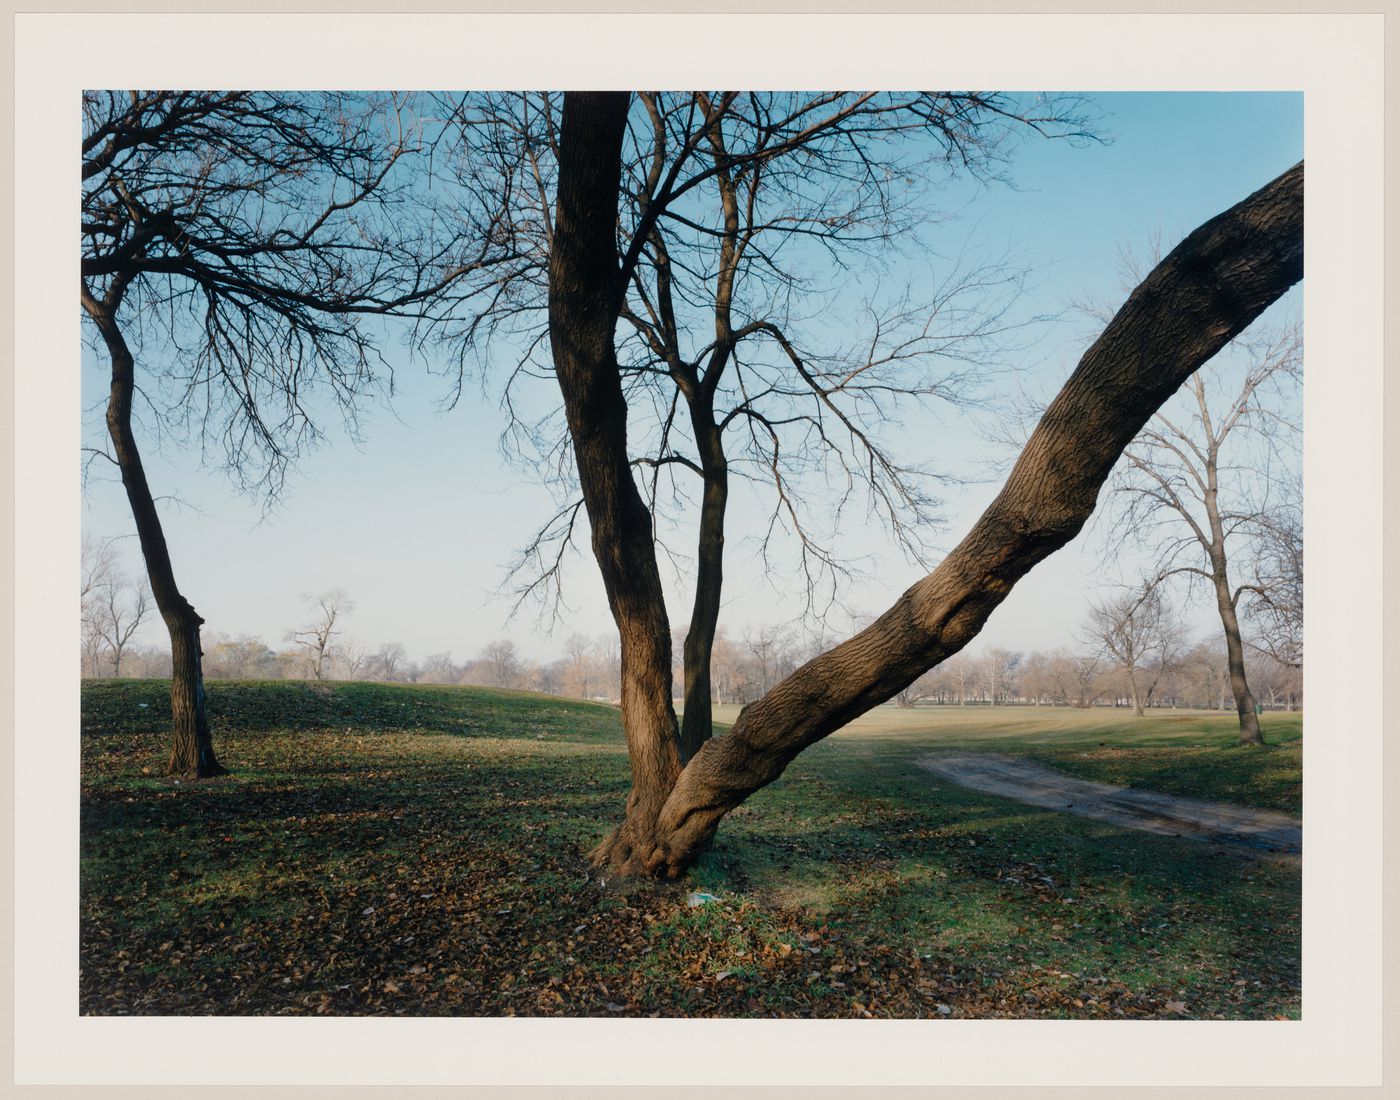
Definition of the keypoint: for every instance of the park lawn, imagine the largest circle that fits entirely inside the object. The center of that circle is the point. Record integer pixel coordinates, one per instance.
(1175, 751)
(386, 849)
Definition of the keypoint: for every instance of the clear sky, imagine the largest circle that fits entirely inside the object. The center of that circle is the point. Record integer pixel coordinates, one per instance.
(418, 521)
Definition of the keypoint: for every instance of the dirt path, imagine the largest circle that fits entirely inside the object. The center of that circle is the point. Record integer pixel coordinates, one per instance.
(1026, 781)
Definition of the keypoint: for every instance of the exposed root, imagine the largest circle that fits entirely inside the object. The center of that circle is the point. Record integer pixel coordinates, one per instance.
(623, 854)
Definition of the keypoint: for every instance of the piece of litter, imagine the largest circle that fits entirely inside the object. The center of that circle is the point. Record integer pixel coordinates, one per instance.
(699, 898)
(945, 1010)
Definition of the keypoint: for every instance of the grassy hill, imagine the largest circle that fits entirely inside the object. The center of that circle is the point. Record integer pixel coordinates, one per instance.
(387, 849)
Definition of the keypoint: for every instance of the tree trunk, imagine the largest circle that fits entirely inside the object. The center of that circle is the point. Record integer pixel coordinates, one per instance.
(697, 720)
(1234, 648)
(585, 298)
(1199, 298)
(192, 752)
(1202, 295)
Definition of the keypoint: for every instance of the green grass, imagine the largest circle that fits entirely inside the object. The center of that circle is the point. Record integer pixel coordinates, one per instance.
(417, 850)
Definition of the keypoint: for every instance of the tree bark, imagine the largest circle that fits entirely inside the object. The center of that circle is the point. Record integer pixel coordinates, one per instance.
(192, 750)
(1193, 303)
(585, 299)
(1250, 734)
(1200, 297)
(697, 719)
(697, 722)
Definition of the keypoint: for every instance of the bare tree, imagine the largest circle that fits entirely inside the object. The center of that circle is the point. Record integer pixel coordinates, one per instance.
(962, 670)
(315, 637)
(999, 668)
(386, 662)
(355, 658)
(1192, 470)
(232, 242)
(1277, 611)
(925, 687)
(439, 668)
(727, 198)
(1136, 631)
(1085, 670)
(98, 563)
(578, 666)
(1204, 293)
(113, 608)
(242, 658)
(502, 664)
(122, 608)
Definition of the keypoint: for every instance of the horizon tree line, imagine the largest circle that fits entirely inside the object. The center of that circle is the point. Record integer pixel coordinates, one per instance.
(1167, 670)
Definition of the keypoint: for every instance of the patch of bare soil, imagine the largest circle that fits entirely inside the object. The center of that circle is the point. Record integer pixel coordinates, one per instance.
(1258, 831)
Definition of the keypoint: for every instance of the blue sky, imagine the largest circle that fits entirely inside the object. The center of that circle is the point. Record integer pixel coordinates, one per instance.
(418, 521)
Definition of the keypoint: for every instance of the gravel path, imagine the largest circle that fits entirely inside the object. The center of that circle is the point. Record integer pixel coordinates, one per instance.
(1026, 781)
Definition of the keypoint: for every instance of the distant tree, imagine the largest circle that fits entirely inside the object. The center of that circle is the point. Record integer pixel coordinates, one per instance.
(1277, 611)
(1136, 630)
(578, 670)
(962, 672)
(113, 607)
(501, 664)
(439, 668)
(98, 562)
(242, 658)
(999, 668)
(925, 687)
(1191, 470)
(386, 663)
(1212, 285)
(1087, 678)
(1041, 681)
(315, 638)
(549, 678)
(354, 659)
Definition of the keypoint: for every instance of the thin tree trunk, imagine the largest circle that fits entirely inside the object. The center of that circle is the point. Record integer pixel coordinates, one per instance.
(192, 750)
(697, 720)
(585, 297)
(697, 724)
(1234, 648)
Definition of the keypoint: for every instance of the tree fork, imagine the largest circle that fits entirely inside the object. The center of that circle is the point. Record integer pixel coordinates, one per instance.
(1208, 290)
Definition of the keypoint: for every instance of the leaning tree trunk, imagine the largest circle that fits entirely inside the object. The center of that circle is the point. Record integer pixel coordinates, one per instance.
(1195, 301)
(192, 752)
